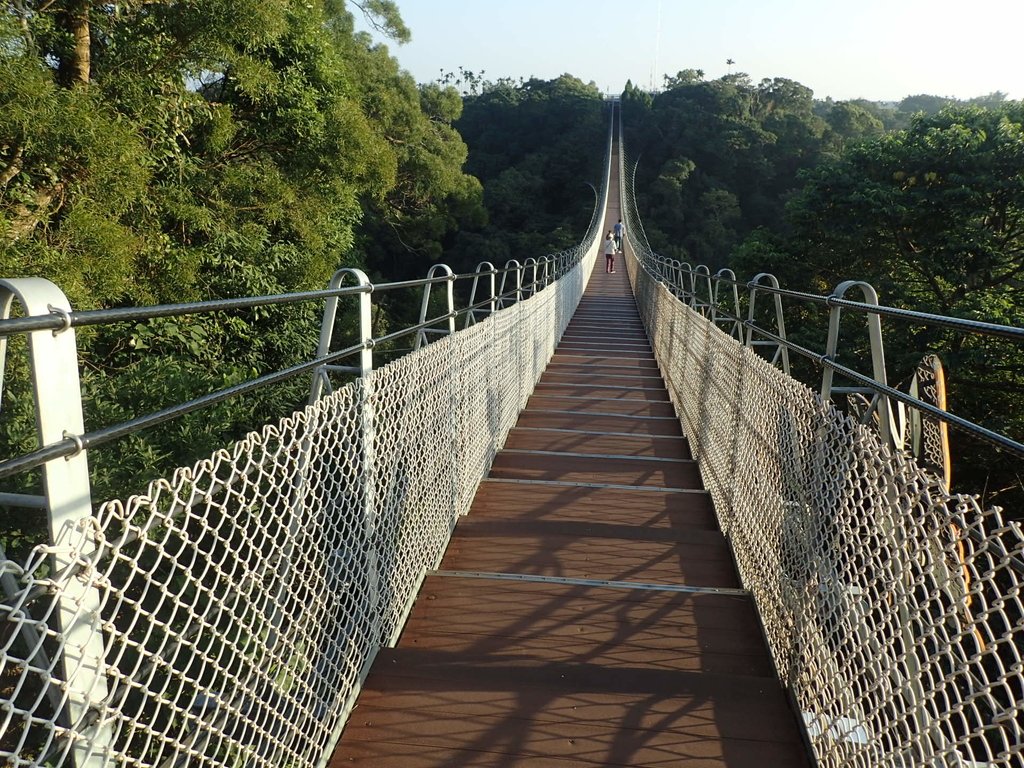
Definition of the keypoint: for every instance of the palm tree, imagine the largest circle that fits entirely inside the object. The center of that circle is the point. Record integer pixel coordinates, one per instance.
(729, 63)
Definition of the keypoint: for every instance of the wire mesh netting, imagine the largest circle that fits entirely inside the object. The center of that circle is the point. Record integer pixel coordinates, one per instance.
(893, 610)
(240, 600)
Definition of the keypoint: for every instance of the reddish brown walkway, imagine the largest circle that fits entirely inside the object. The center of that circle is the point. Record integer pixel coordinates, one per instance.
(587, 612)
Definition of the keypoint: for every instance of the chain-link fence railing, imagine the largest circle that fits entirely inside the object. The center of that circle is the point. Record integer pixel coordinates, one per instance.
(892, 609)
(227, 616)
(240, 601)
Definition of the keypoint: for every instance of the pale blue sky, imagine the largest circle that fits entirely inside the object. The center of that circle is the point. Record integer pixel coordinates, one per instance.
(878, 49)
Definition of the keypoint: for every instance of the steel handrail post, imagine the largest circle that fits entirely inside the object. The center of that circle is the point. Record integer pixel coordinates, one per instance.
(321, 380)
(501, 286)
(53, 362)
(780, 322)
(421, 335)
(912, 687)
(686, 273)
(874, 326)
(701, 271)
(677, 279)
(484, 267)
(450, 298)
(713, 297)
(531, 263)
(510, 266)
(494, 291)
(721, 276)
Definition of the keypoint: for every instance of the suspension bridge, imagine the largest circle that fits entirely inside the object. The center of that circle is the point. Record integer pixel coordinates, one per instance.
(597, 525)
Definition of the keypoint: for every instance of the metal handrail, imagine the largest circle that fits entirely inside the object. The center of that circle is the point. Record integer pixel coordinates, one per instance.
(980, 327)
(994, 438)
(881, 388)
(59, 320)
(685, 281)
(73, 445)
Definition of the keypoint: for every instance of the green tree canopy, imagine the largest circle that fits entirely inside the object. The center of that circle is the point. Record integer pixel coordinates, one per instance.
(155, 151)
(717, 158)
(933, 217)
(936, 212)
(535, 145)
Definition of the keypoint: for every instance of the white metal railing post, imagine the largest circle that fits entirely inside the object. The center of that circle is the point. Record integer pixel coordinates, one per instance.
(493, 272)
(713, 298)
(321, 383)
(686, 294)
(909, 686)
(874, 324)
(531, 264)
(511, 266)
(368, 458)
(781, 350)
(484, 267)
(450, 299)
(58, 402)
(367, 436)
(735, 322)
(421, 334)
(494, 384)
(501, 287)
(673, 278)
(699, 304)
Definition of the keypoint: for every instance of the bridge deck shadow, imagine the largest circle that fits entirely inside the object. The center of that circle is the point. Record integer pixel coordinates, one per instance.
(517, 654)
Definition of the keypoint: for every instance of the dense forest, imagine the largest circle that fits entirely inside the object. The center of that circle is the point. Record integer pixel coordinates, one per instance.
(536, 148)
(158, 152)
(923, 199)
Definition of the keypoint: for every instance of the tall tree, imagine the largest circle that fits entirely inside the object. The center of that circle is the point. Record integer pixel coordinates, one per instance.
(169, 150)
(852, 122)
(933, 216)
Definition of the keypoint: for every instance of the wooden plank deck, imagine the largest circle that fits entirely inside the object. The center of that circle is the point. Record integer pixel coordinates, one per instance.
(587, 611)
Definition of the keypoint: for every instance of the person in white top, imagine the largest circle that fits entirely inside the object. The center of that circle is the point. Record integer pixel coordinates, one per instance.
(609, 253)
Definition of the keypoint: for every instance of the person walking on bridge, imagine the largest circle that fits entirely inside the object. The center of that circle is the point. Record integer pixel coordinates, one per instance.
(620, 230)
(609, 253)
